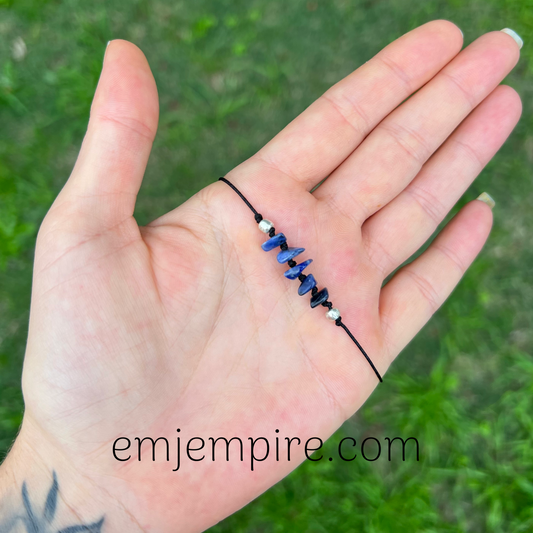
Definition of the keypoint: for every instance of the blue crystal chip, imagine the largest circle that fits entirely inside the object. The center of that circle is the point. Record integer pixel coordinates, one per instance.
(319, 298)
(273, 242)
(288, 254)
(307, 284)
(295, 271)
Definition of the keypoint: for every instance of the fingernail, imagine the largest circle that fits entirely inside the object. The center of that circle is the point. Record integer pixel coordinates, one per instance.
(515, 36)
(106, 47)
(487, 198)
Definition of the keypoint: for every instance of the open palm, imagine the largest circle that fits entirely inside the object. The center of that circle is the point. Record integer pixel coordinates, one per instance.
(186, 323)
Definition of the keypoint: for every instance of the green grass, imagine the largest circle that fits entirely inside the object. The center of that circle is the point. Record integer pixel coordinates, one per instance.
(230, 75)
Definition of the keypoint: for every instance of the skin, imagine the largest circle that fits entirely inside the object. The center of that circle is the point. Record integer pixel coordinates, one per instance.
(186, 323)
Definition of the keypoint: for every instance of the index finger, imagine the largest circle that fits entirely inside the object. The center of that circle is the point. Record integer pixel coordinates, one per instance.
(321, 137)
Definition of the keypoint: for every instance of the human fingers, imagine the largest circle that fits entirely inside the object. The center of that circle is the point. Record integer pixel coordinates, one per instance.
(392, 155)
(400, 228)
(320, 138)
(418, 289)
(103, 186)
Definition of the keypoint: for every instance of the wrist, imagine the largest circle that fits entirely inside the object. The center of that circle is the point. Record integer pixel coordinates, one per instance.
(39, 487)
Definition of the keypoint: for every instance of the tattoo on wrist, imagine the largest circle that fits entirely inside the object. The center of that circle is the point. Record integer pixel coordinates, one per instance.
(39, 519)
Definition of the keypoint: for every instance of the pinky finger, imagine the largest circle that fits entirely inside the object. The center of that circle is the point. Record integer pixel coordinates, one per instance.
(418, 289)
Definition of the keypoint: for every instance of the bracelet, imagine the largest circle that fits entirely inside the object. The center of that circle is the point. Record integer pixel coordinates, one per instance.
(307, 282)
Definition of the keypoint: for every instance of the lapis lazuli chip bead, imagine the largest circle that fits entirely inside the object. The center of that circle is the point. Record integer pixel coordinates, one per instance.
(273, 242)
(295, 271)
(319, 297)
(289, 253)
(307, 284)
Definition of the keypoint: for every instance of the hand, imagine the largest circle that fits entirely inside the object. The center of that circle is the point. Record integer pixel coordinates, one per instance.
(186, 323)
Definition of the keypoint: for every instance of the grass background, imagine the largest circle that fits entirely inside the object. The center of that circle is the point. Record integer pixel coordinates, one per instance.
(230, 74)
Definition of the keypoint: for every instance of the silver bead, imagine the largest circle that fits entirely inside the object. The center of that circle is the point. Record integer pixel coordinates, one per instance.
(333, 314)
(265, 225)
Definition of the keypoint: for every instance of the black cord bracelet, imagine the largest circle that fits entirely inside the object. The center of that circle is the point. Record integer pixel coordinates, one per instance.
(307, 282)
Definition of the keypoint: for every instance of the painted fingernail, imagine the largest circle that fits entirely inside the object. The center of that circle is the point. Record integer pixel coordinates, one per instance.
(515, 36)
(487, 198)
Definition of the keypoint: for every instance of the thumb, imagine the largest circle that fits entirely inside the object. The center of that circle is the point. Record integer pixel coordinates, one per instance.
(103, 186)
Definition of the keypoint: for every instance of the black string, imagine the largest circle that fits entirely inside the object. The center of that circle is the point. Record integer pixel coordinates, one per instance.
(338, 321)
(258, 216)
